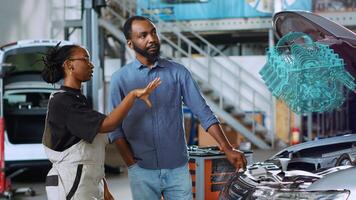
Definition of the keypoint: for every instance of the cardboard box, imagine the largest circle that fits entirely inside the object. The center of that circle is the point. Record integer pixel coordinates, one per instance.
(205, 139)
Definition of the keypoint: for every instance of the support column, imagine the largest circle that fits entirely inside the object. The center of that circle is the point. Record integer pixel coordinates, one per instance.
(91, 41)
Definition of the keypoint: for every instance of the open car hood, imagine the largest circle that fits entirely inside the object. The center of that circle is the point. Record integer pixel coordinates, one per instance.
(339, 38)
(316, 26)
(264, 181)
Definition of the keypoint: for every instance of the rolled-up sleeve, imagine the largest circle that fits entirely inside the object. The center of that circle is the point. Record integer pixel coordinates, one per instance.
(195, 101)
(116, 97)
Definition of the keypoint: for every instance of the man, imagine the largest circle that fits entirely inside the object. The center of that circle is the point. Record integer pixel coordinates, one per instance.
(151, 141)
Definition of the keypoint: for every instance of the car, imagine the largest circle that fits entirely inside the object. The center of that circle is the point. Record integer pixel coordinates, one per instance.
(265, 181)
(24, 103)
(319, 154)
(320, 169)
(313, 170)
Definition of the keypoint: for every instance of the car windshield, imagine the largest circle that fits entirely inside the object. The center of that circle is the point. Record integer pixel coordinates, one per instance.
(26, 58)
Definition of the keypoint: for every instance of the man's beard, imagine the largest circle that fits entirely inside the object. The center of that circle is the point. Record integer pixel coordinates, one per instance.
(144, 52)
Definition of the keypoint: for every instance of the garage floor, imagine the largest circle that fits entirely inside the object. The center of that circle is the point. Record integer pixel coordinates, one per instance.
(118, 183)
(119, 187)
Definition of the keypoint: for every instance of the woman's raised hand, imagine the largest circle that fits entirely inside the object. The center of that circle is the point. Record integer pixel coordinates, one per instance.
(144, 93)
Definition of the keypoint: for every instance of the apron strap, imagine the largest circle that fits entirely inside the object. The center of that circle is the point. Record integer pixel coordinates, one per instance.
(76, 182)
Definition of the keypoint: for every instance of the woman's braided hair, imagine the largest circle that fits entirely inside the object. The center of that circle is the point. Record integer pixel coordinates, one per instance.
(53, 60)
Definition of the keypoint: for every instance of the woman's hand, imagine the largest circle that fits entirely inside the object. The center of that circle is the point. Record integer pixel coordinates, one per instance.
(144, 93)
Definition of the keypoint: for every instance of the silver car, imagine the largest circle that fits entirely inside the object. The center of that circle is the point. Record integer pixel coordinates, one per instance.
(312, 170)
(322, 169)
(24, 103)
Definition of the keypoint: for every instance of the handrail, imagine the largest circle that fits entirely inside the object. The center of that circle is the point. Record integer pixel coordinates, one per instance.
(205, 54)
(219, 52)
(201, 65)
(210, 46)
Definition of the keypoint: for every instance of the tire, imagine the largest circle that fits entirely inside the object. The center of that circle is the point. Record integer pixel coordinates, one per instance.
(343, 160)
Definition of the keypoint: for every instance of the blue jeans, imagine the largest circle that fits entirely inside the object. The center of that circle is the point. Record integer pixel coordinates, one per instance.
(148, 184)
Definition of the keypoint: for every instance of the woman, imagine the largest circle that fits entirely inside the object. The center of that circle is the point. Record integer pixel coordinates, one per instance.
(71, 138)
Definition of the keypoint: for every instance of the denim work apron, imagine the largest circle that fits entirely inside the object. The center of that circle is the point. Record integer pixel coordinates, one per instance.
(77, 172)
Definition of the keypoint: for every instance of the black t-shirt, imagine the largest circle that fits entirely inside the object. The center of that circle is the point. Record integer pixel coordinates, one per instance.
(71, 119)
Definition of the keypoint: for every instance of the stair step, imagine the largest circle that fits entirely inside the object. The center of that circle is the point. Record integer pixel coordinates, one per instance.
(261, 129)
(214, 97)
(237, 113)
(228, 108)
(247, 121)
(206, 90)
(199, 82)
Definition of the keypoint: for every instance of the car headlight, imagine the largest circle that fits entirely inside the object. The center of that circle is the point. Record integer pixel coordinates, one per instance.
(237, 188)
(281, 194)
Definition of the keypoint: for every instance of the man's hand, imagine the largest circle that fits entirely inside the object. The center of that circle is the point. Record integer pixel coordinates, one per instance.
(236, 158)
(124, 149)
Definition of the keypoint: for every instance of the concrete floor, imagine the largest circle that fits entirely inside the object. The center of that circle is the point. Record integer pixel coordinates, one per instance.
(118, 183)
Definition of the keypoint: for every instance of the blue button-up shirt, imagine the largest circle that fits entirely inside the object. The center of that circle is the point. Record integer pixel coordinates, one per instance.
(156, 134)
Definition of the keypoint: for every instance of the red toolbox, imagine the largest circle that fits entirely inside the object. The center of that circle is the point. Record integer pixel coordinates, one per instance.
(210, 170)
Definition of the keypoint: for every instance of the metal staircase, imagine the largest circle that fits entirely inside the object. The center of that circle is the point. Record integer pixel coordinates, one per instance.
(221, 79)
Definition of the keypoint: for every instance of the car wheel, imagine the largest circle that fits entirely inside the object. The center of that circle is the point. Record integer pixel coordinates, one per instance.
(343, 160)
